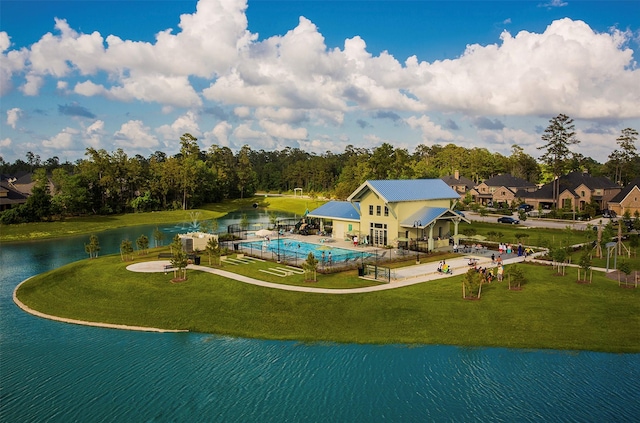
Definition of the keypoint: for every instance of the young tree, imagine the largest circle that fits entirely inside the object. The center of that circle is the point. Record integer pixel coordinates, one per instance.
(310, 266)
(516, 275)
(585, 265)
(178, 260)
(472, 284)
(624, 267)
(126, 250)
(142, 243)
(158, 236)
(558, 136)
(212, 249)
(93, 247)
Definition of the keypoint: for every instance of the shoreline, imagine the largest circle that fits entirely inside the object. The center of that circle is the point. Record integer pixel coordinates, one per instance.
(36, 313)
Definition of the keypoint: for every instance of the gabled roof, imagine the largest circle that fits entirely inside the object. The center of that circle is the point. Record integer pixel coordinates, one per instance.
(508, 180)
(571, 182)
(11, 196)
(394, 191)
(452, 180)
(426, 215)
(343, 210)
(625, 191)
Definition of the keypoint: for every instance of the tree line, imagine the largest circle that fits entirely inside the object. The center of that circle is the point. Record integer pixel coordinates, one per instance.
(107, 183)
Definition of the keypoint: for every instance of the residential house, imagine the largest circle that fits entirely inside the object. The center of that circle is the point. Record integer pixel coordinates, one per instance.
(459, 184)
(574, 191)
(385, 212)
(627, 200)
(501, 189)
(10, 196)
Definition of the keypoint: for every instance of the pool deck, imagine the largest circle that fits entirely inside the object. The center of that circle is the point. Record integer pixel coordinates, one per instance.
(404, 276)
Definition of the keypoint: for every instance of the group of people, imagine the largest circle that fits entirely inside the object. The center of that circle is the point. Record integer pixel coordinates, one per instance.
(489, 275)
(443, 267)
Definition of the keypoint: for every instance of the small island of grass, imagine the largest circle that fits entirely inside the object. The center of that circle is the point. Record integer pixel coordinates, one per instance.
(551, 312)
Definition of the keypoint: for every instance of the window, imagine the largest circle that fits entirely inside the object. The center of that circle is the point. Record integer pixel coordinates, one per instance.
(378, 210)
(386, 211)
(371, 210)
(582, 193)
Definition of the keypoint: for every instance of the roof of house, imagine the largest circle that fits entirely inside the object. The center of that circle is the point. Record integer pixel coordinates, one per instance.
(343, 210)
(462, 180)
(625, 191)
(570, 182)
(508, 180)
(11, 196)
(394, 191)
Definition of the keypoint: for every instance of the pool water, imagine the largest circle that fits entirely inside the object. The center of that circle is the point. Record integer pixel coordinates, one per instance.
(293, 248)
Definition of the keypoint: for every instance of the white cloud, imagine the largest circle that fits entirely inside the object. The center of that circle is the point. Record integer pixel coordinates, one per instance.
(283, 130)
(12, 116)
(93, 133)
(218, 135)
(553, 3)
(431, 133)
(185, 123)
(133, 135)
(242, 111)
(63, 140)
(5, 142)
(567, 69)
(32, 85)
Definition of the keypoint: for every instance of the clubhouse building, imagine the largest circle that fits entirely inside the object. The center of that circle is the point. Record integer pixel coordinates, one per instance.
(387, 212)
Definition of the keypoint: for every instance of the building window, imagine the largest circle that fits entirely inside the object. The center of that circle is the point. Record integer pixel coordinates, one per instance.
(371, 210)
(582, 193)
(378, 209)
(386, 211)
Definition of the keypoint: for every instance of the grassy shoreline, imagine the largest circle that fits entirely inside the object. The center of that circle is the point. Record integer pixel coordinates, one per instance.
(95, 224)
(551, 312)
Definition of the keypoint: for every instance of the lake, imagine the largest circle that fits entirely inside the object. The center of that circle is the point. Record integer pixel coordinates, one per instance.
(57, 372)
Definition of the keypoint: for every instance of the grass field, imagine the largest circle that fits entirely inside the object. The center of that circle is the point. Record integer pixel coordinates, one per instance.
(550, 312)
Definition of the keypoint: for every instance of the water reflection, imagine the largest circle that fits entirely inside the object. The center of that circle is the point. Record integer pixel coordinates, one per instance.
(58, 372)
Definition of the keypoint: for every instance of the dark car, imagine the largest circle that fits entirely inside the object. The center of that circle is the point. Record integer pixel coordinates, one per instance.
(609, 214)
(507, 219)
(525, 207)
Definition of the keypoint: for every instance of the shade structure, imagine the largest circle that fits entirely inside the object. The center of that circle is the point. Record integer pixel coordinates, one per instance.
(324, 248)
(264, 232)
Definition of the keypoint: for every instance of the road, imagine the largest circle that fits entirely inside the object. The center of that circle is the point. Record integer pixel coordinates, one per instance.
(537, 223)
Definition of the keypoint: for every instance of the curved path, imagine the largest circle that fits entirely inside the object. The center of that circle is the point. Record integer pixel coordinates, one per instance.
(406, 276)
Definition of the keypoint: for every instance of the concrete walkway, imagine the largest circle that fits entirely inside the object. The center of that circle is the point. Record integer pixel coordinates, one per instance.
(404, 276)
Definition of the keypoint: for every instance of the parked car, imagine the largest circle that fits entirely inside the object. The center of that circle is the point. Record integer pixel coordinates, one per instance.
(525, 207)
(507, 219)
(609, 214)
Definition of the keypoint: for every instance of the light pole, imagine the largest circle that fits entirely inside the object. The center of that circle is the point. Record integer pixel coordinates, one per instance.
(417, 224)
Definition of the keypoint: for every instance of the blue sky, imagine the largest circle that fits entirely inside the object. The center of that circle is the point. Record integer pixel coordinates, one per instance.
(315, 75)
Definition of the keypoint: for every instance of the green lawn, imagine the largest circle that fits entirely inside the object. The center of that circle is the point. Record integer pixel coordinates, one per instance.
(550, 312)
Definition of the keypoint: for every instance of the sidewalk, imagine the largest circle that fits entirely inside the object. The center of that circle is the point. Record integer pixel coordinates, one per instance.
(405, 276)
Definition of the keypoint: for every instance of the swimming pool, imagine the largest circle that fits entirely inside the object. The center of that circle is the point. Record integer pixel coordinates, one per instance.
(295, 250)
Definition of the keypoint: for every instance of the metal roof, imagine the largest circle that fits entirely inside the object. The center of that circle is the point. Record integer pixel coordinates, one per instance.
(343, 210)
(394, 191)
(426, 215)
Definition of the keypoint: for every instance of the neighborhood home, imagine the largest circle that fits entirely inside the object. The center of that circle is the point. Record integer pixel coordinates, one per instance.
(501, 189)
(383, 213)
(627, 200)
(459, 184)
(574, 191)
(10, 195)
